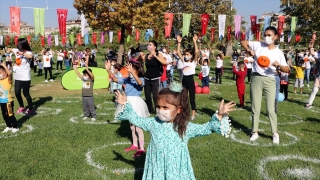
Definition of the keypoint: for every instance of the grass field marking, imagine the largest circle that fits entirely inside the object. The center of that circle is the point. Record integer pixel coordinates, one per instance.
(313, 110)
(297, 172)
(10, 135)
(255, 143)
(91, 162)
(299, 120)
(75, 119)
(66, 100)
(48, 111)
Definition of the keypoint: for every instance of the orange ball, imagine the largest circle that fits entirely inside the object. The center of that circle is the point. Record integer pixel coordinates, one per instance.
(124, 72)
(263, 61)
(305, 59)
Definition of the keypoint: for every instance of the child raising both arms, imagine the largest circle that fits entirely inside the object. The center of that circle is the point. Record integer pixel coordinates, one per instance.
(134, 85)
(6, 101)
(168, 155)
(87, 93)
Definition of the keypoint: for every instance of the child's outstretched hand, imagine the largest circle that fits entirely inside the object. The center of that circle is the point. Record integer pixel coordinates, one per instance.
(179, 39)
(129, 67)
(107, 65)
(121, 99)
(225, 108)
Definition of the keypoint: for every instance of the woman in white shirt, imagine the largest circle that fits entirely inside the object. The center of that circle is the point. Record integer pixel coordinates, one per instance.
(263, 78)
(248, 60)
(47, 65)
(60, 58)
(190, 58)
(22, 76)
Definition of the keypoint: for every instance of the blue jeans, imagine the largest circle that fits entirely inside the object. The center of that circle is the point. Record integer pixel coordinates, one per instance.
(171, 71)
(205, 81)
(163, 85)
(307, 74)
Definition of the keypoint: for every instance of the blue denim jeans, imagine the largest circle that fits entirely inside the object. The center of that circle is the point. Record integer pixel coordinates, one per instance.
(205, 81)
(307, 75)
(163, 85)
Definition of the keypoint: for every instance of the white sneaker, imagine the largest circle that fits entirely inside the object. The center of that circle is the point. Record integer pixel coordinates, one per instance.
(254, 137)
(275, 138)
(85, 118)
(46, 80)
(14, 130)
(192, 118)
(93, 119)
(307, 85)
(7, 129)
(51, 80)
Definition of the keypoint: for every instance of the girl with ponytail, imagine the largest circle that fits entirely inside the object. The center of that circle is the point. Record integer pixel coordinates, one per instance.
(168, 155)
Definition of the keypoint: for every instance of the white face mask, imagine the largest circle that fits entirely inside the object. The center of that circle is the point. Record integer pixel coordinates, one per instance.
(268, 40)
(1, 76)
(187, 58)
(131, 76)
(307, 53)
(165, 115)
(164, 50)
(205, 64)
(85, 78)
(112, 64)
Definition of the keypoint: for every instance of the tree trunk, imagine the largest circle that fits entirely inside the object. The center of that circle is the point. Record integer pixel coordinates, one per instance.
(120, 59)
(229, 49)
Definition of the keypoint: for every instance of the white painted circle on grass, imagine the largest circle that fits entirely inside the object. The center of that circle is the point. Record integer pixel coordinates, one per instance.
(233, 134)
(314, 110)
(299, 120)
(10, 134)
(66, 100)
(77, 119)
(296, 173)
(91, 162)
(48, 111)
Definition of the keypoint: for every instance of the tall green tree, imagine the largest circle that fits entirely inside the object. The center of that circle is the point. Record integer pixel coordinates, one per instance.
(308, 16)
(122, 14)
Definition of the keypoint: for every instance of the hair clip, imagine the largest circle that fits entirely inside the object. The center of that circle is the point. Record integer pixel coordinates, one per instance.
(175, 87)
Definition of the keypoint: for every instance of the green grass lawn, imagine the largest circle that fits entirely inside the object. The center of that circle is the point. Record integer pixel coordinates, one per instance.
(57, 144)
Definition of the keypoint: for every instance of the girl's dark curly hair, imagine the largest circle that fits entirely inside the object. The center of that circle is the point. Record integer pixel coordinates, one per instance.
(178, 99)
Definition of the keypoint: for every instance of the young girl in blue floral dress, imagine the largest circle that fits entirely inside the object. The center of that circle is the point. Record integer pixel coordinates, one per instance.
(134, 85)
(167, 155)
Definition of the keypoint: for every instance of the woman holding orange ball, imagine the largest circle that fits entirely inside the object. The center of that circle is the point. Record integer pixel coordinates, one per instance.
(268, 58)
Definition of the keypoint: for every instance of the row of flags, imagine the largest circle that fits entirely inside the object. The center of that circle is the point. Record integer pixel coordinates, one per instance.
(62, 14)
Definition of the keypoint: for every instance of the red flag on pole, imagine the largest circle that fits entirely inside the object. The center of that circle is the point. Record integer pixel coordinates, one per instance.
(62, 20)
(253, 20)
(79, 39)
(212, 34)
(15, 20)
(258, 32)
(16, 40)
(137, 35)
(298, 37)
(243, 35)
(64, 38)
(229, 33)
(94, 38)
(168, 17)
(280, 24)
(119, 35)
(7, 40)
(42, 41)
(204, 24)
(29, 39)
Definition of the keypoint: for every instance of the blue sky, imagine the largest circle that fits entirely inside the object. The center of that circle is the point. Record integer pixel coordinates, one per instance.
(244, 8)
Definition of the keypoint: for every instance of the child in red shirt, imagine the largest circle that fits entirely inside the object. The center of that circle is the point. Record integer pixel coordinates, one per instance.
(241, 75)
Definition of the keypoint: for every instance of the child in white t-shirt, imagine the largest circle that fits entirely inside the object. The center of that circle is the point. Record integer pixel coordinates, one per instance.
(219, 67)
(205, 70)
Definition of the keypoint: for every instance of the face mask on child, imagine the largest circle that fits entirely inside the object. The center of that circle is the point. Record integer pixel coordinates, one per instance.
(85, 78)
(112, 64)
(187, 58)
(165, 115)
(1, 76)
(205, 64)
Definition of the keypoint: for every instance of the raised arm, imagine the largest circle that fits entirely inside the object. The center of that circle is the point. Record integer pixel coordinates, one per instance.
(135, 76)
(8, 72)
(77, 72)
(196, 50)
(90, 74)
(160, 58)
(179, 39)
(107, 65)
